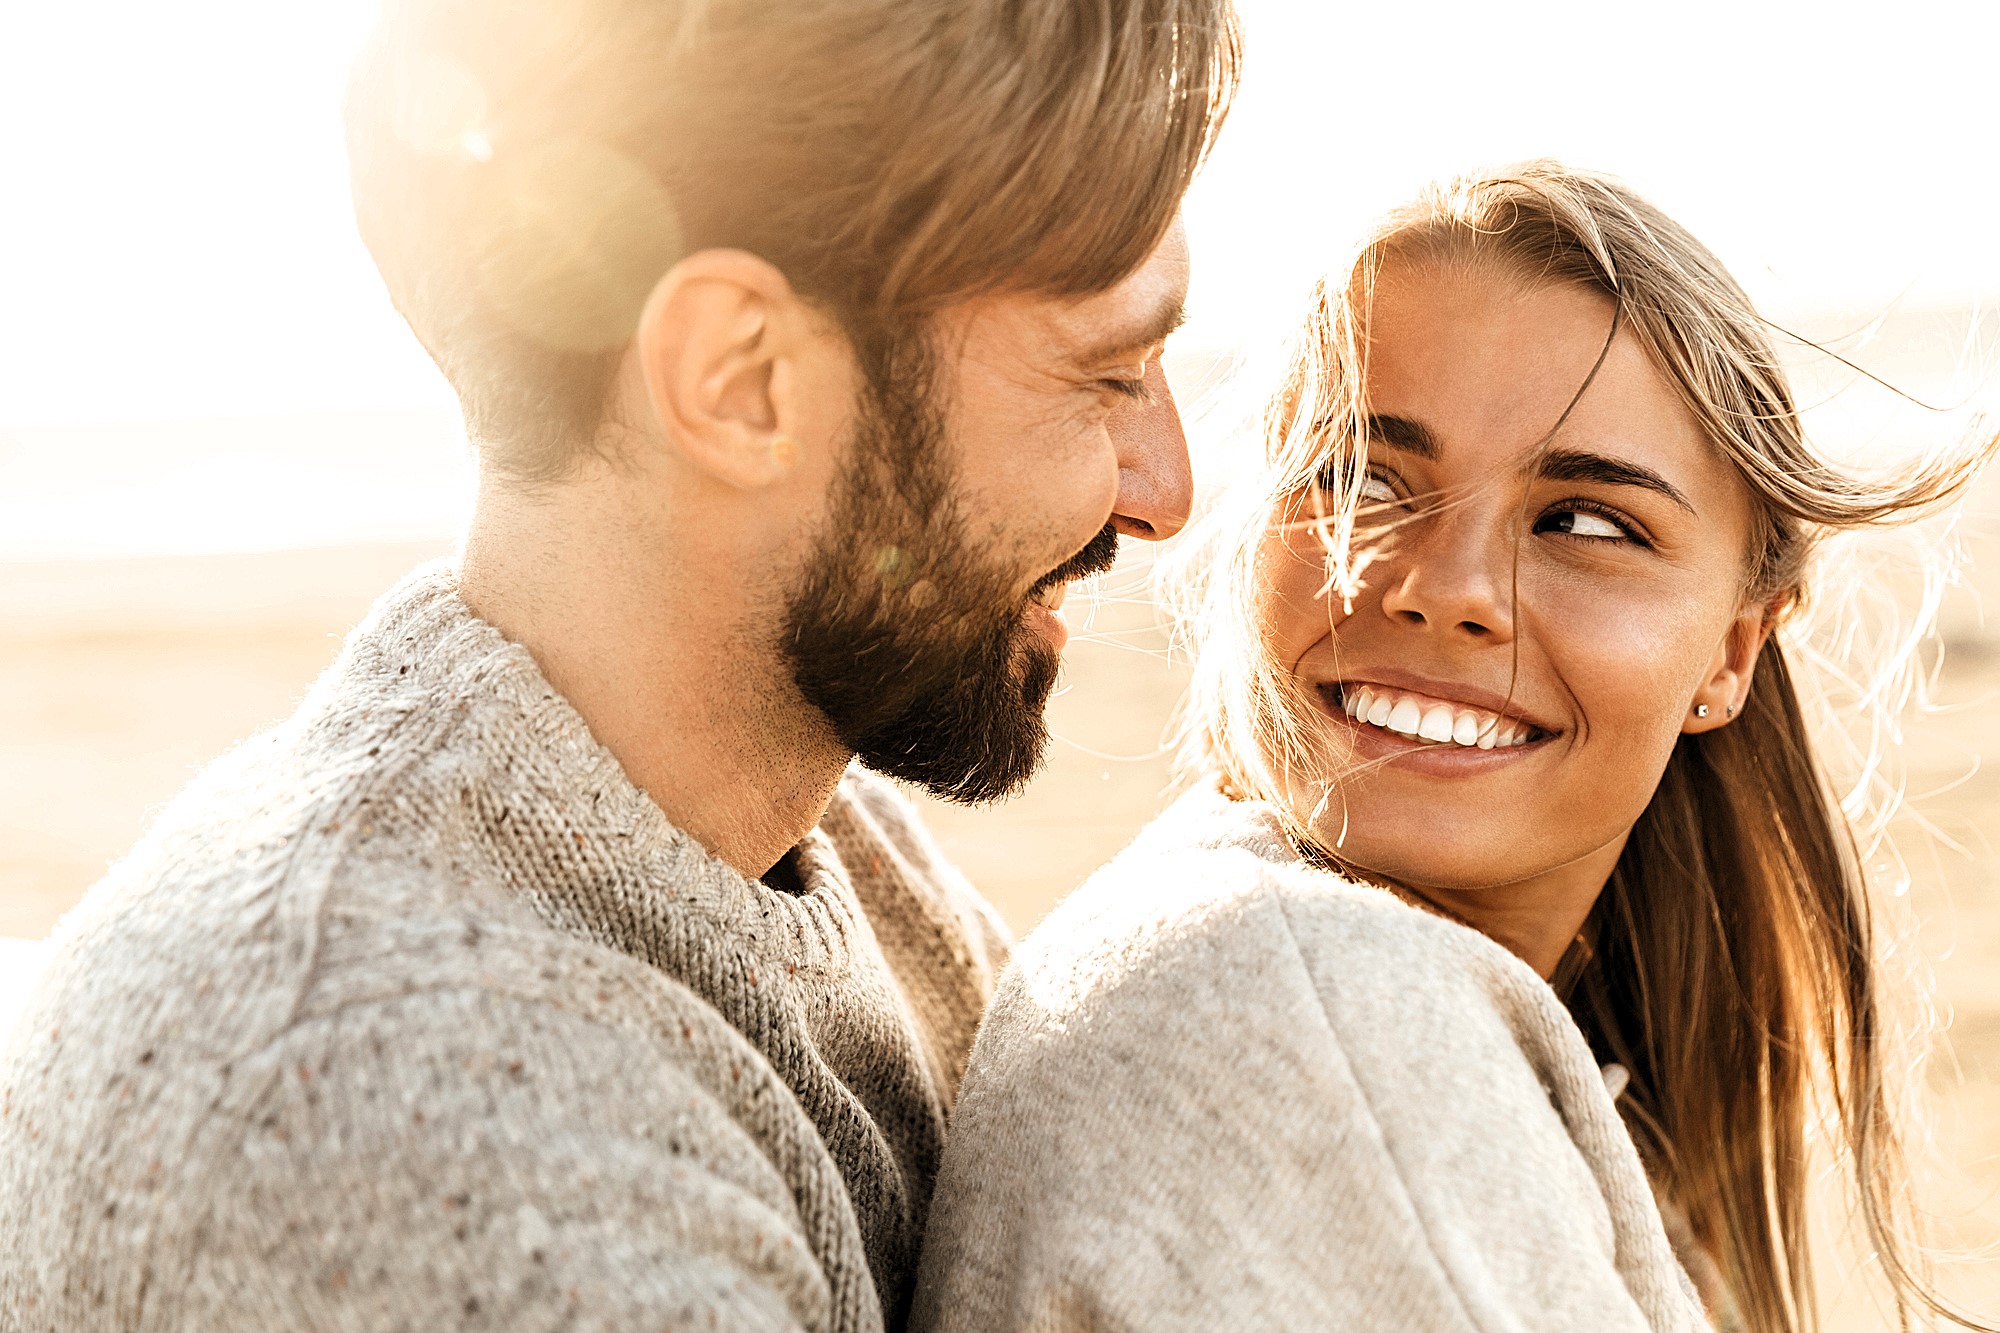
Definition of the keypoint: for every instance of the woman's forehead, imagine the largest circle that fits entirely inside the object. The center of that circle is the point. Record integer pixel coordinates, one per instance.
(1488, 365)
(1432, 325)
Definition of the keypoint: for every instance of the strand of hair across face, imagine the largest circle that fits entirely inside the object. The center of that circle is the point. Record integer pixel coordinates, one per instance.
(1540, 451)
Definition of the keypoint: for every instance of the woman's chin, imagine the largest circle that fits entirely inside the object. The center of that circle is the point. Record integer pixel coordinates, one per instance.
(1448, 873)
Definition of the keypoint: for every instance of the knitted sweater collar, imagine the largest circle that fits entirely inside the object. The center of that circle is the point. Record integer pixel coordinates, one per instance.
(426, 658)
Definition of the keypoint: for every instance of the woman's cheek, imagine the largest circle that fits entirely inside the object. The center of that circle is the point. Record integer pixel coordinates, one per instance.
(1288, 580)
(1632, 669)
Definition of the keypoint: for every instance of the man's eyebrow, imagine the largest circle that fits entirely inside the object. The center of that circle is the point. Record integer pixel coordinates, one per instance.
(1412, 437)
(1577, 465)
(1171, 315)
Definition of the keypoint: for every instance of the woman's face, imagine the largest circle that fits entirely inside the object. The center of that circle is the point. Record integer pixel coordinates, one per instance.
(1535, 632)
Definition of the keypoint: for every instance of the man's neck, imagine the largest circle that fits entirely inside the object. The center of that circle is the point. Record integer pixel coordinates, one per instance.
(651, 631)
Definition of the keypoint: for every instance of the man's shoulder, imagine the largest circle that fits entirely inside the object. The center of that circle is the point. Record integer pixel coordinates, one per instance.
(371, 1097)
(321, 827)
(268, 898)
(342, 856)
(317, 983)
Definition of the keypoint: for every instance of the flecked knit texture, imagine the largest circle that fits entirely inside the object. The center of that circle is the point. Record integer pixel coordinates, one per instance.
(414, 1013)
(1222, 1089)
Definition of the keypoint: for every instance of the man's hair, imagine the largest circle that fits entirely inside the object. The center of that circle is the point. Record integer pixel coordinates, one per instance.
(525, 170)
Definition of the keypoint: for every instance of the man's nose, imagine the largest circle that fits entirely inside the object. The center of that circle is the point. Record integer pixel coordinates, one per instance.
(1155, 479)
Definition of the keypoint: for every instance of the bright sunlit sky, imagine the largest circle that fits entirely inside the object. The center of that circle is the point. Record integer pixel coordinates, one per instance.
(175, 241)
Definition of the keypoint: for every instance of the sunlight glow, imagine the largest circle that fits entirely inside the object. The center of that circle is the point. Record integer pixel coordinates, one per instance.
(178, 244)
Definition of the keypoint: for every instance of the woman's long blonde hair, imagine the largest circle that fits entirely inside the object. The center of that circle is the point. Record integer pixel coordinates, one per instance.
(1734, 963)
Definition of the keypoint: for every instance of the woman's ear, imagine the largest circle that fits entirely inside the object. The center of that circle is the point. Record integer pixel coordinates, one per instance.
(1726, 687)
(717, 344)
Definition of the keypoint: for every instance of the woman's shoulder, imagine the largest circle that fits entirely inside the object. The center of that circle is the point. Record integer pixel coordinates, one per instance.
(1213, 894)
(1258, 1092)
(1211, 944)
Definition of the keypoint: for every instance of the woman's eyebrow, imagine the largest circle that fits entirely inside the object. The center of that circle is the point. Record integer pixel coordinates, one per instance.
(1578, 465)
(1413, 437)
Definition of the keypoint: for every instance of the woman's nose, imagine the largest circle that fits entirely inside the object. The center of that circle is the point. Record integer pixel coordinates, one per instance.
(1452, 572)
(1155, 479)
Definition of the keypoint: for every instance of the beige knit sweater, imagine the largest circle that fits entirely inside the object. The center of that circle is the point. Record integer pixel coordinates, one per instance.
(1221, 1089)
(415, 1014)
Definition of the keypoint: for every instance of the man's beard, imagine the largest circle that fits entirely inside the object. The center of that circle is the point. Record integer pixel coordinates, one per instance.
(913, 647)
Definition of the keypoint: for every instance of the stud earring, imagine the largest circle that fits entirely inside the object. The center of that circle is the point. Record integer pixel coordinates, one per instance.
(1730, 711)
(1701, 710)
(784, 451)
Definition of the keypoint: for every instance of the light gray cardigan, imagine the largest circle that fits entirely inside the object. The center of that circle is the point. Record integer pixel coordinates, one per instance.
(1221, 1089)
(415, 1013)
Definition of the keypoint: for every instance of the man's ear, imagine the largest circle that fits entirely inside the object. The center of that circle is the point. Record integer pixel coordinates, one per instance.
(716, 345)
(1726, 687)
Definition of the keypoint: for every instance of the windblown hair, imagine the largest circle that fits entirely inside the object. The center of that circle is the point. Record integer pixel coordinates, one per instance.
(1735, 963)
(524, 171)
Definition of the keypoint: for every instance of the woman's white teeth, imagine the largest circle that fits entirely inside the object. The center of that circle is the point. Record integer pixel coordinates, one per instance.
(1405, 717)
(1408, 715)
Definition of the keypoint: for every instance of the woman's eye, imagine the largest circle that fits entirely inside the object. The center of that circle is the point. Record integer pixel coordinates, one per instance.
(1584, 523)
(1375, 490)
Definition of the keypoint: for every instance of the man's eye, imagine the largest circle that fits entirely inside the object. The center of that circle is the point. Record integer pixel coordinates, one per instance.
(1585, 523)
(1136, 390)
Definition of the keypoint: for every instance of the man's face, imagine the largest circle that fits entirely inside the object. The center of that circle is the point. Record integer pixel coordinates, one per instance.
(993, 460)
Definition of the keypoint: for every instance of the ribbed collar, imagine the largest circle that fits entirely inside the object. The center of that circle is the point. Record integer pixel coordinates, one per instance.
(553, 796)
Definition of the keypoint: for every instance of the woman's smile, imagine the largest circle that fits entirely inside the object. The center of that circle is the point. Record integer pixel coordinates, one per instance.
(1449, 730)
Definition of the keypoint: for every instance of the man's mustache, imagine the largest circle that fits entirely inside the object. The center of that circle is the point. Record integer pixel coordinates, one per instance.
(1095, 558)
